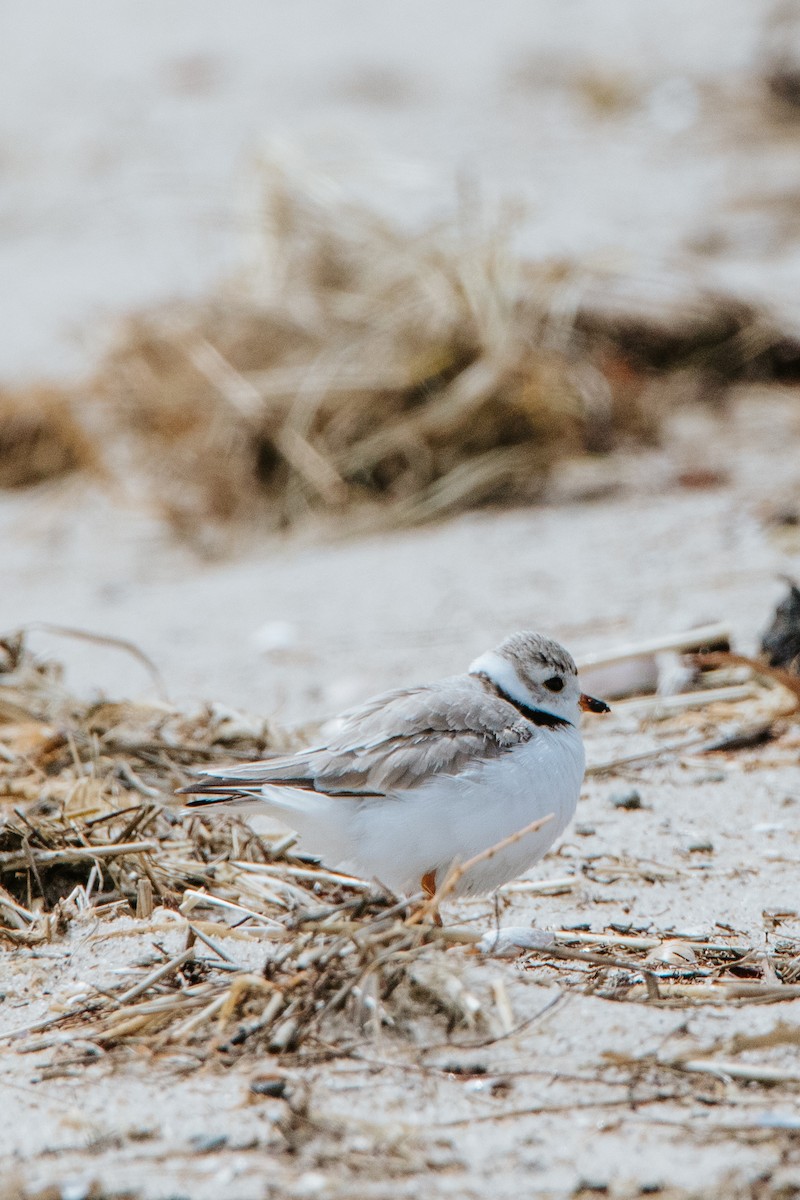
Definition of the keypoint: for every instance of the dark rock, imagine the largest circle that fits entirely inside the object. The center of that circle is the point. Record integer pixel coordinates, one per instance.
(781, 642)
(630, 799)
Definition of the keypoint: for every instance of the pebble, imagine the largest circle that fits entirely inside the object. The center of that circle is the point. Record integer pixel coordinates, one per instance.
(630, 799)
(207, 1143)
(269, 1087)
(457, 1068)
(81, 1189)
(312, 1183)
(701, 846)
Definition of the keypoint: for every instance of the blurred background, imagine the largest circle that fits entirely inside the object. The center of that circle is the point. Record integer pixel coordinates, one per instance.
(341, 339)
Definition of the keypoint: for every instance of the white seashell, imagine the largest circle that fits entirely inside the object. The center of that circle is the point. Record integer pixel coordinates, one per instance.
(673, 954)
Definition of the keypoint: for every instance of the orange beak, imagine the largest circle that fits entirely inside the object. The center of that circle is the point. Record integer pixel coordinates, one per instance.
(589, 704)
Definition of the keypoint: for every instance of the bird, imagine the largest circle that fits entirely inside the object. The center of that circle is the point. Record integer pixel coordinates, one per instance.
(418, 780)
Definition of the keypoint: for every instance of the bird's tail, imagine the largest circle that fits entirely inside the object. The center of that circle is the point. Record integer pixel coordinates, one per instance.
(322, 821)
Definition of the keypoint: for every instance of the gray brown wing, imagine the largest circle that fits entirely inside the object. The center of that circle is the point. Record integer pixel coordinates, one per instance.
(392, 742)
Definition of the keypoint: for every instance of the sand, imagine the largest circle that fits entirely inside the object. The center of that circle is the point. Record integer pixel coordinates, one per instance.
(548, 1112)
(297, 627)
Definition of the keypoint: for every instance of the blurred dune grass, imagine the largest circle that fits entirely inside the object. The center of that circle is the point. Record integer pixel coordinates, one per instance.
(352, 366)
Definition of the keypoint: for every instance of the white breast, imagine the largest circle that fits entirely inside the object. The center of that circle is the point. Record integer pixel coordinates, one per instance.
(452, 818)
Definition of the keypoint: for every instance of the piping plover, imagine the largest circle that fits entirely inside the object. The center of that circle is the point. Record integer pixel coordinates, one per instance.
(422, 778)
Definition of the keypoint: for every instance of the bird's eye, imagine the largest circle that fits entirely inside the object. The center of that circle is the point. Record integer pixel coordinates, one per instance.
(554, 684)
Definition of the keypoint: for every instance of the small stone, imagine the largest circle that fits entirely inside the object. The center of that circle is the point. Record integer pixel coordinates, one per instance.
(457, 1068)
(81, 1189)
(630, 799)
(269, 1087)
(207, 1143)
(142, 1133)
(585, 830)
(709, 777)
(312, 1183)
(591, 1187)
(701, 846)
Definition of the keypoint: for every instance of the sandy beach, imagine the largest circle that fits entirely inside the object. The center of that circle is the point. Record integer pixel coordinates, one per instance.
(128, 144)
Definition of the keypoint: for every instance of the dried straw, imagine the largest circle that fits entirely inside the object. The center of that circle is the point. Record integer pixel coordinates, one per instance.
(90, 824)
(357, 366)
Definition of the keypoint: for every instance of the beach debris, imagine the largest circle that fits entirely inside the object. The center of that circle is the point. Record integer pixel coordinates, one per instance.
(781, 642)
(357, 367)
(702, 845)
(788, 680)
(781, 59)
(509, 940)
(255, 947)
(630, 799)
(674, 954)
(653, 664)
(270, 1084)
(42, 436)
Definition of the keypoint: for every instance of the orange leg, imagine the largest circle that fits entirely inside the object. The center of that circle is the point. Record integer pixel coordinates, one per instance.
(428, 885)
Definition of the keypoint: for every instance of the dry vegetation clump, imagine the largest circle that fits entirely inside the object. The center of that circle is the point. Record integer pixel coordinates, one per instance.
(41, 436)
(89, 827)
(354, 364)
(398, 375)
(275, 952)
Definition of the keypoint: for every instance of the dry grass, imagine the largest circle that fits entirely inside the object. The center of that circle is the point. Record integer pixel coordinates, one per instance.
(400, 376)
(91, 827)
(41, 436)
(134, 933)
(355, 365)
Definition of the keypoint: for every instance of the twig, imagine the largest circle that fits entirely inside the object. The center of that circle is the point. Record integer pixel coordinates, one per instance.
(698, 699)
(601, 960)
(692, 639)
(129, 776)
(192, 898)
(765, 993)
(544, 887)
(503, 1005)
(282, 869)
(317, 471)
(569, 1106)
(102, 639)
(199, 1018)
(212, 945)
(19, 916)
(457, 872)
(734, 1070)
(161, 972)
(643, 943)
(724, 658)
(15, 860)
(624, 760)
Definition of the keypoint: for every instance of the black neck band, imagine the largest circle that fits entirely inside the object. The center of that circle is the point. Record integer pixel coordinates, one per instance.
(536, 715)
